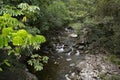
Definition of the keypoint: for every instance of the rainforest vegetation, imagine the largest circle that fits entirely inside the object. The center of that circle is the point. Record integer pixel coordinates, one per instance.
(24, 25)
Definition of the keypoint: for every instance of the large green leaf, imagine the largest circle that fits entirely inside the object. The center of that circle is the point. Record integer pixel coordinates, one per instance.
(22, 33)
(6, 62)
(6, 31)
(18, 41)
(1, 69)
(12, 10)
(40, 39)
(7, 21)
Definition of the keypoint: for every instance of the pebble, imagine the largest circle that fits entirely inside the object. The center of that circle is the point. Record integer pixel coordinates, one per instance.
(73, 74)
(80, 47)
(69, 59)
(73, 35)
(69, 53)
(67, 78)
(77, 53)
(60, 50)
(72, 64)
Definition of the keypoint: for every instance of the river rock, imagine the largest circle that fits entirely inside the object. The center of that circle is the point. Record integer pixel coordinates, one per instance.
(81, 47)
(94, 65)
(72, 64)
(67, 78)
(73, 35)
(77, 53)
(69, 59)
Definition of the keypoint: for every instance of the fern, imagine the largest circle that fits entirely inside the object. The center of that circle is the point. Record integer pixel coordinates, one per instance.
(28, 10)
(25, 6)
(13, 11)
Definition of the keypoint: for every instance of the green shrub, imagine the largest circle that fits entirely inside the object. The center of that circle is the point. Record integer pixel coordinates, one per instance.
(14, 37)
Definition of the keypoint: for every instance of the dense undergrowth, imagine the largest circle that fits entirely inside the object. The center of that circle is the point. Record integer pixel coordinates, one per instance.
(23, 21)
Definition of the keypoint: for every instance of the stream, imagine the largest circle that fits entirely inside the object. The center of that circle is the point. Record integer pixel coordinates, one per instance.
(63, 57)
(68, 59)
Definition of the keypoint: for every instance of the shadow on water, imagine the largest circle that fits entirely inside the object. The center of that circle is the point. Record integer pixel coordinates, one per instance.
(56, 69)
(67, 61)
(63, 57)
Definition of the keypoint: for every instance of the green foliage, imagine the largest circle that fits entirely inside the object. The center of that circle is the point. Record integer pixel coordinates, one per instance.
(8, 34)
(80, 9)
(12, 10)
(102, 18)
(107, 23)
(19, 38)
(23, 9)
(14, 37)
(7, 62)
(7, 21)
(3, 41)
(57, 13)
(76, 26)
(114, 59)
(53, 14)
(1, 69)
(18, 41)
(36, 61)
(7, 31)
(108, 7)
(28, 10)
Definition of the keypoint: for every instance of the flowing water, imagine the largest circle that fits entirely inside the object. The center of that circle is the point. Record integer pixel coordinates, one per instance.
(68, 59)
(64, 55)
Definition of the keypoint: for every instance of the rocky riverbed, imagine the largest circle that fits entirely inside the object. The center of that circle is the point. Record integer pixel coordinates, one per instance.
(93, 66)
(71, 59)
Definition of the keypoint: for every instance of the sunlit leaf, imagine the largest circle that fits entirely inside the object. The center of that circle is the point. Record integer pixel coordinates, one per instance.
(6, 62)
(6, 31)
(22, 33)
(18, 41)
(1, 69)
(40, 39)
(24, 19)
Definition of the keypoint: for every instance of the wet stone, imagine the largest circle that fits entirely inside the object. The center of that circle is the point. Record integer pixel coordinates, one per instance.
(69, 59)
(73, 35)
(72, 64)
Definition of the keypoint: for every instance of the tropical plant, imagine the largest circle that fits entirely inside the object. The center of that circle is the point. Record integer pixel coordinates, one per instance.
(14, 37)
